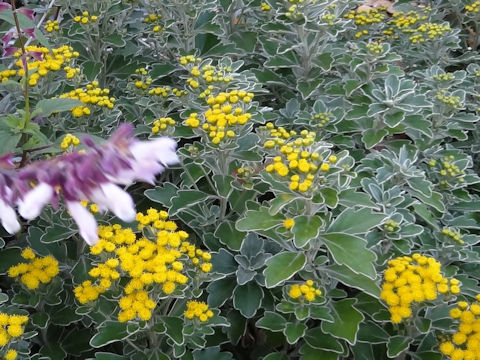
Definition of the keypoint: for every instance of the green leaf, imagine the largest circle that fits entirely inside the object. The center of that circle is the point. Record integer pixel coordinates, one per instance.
(223, 184)
(228, 235)
(372, 137)
(279, 202)
(356, 221)
(346, 321)
(350, 250)
(294, 331)
(56, 233)
(220, 291)
(187, 198)
(259, 220)
(317, 339)
(310, 353)
(40, 319)
(91, 69)
(397, 344)
(109, 332)
(174, 327)
(8, 141)
(305, 229)
(276, 356)
(247, 298)
(283, 266)
(162, 70)
(211, 353)
(245, 40)
(115, 39)
(48, 106)
(109, 356)
(331, 197)
(353, 279)
(9, 257)
(271, 321)
(162, 194)
(350, 198)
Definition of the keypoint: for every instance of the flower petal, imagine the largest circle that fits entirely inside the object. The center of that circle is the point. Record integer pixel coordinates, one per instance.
(119, 202)
(8, 218)
(32, 204)
(86, 223)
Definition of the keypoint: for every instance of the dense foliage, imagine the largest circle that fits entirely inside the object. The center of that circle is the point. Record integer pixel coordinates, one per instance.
(324, 203)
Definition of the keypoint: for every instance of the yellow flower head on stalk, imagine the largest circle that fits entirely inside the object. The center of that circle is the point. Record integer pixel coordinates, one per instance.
(265, 6)
(85, 18)
(199, 310)
(68, 140)
(224, 117)
(91, 94)
(304, 292)
(10, 355)
(152, 18)
(52, 26)
(154, 266)
(465, 342)
(163, 124)
(294, 158)
(51, 61)
(288, 223)
(413, 279)
(11, 327)
(38, 270)
(473, 7)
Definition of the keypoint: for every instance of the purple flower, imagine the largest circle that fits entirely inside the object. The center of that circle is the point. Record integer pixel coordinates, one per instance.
(4, 6)
(29, 13)
(92, 176)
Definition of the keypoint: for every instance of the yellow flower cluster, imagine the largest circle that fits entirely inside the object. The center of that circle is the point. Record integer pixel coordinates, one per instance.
(443, 77)
(147, 263)
(451, 100)
(10, 355)
(93, 207)
(465, 343)
(366, 17)
(413, 279)
(189, 59)
(454, 235)
(139, 84)
(328, 18)
(432, 30)
(322, 118)
(265, 6)
(53, 60)
(448, 170)
(68, 140)
(391, 225)
(85, 19)
(210, 74)
(165, 91)
(294, 158)
(473, 7)
(136, 304)
(51, 26)
(225, 114)
(162, 124)
(87, 292)
(404, 21)
(89, 95)
(375, 47)
(199, 310)
(7, 74)
(288, 223)
(36, 271)
(304, 292)
(152, 18)
(11, 327)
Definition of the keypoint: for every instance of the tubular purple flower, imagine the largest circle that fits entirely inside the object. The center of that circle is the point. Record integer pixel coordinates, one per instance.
(90, 176)
(29, 13)
(87, 225)
(4, 6)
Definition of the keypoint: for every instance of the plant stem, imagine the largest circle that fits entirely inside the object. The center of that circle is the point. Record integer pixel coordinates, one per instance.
(25, 85)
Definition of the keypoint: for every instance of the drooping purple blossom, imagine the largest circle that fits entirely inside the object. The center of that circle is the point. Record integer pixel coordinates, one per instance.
(89, 176)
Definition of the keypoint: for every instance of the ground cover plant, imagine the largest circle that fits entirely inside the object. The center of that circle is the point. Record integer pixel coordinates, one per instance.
(235, 179)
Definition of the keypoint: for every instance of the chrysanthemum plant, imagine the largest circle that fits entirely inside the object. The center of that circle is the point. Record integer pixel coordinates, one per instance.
(297, 180)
